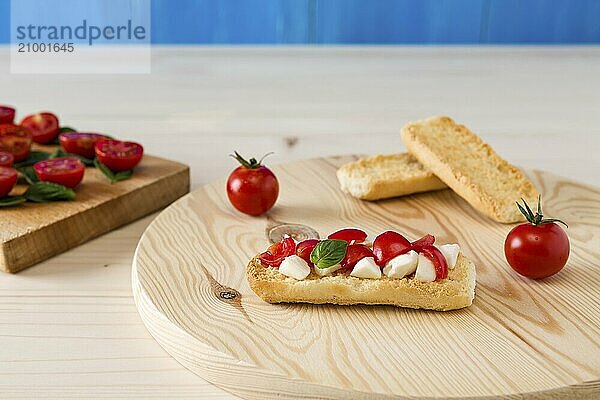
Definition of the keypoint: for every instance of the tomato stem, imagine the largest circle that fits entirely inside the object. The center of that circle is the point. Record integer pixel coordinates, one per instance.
(251, 163)
(537, 218)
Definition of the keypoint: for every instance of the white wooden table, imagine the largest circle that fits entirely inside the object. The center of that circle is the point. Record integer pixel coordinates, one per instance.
(69, 326)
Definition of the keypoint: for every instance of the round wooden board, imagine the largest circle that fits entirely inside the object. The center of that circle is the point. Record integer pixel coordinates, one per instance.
(519, 339)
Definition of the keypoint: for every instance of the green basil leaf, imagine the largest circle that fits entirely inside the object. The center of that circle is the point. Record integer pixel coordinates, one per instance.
(64, 129)
(328, 252)
(29, 174)
(42, 192)
(59, 153)
(105, 170)
(11, 201)
(34, 157)
(123, 175)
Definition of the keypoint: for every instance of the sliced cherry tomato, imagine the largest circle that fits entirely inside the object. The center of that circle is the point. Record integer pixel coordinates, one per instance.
(117, 155)
(7, 115)
(15, 140)
(8, 180)
(44, 126)
(278, 251)
(6, 159)
(427, 240)
(63, 171)
(80, 143)
(389, 245)
(350, 235)
(355, 253)
(437, 258)
(304, 248)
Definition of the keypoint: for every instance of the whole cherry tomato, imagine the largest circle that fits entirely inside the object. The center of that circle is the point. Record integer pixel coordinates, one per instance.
(16, 140)
(278, 251)
(7, 115)
(63, 171)
(355, 253)
(44, 126)
(6, 159)
(304, 248)
(350, 235)
(117, 155)
(8, 180)
(80, 143)
(252, 188)
(537, 249)
(389, 245)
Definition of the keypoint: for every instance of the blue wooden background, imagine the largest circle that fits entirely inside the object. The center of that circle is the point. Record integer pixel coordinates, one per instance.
(367, 21)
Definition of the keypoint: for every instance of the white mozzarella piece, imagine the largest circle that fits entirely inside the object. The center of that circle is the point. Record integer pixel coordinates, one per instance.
(450, 252)
(294, 267)
(402, 265)
(425, 270)
(366, 268)
(327, 271)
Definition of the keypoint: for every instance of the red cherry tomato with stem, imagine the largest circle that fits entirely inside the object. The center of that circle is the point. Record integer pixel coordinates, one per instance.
(80, 143)
(389, 245)
(118, 155)
(16, 140)
(350, 235)
(44, 126)
(437, 258)
(7, 115)
(252, 188)
(8, 180)
(278, 251)
(6, 159)
(63, 171)
(537, 249)
(304, 248)
(355, 253)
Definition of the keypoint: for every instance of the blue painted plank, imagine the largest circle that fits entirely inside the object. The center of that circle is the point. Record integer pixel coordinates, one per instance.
(4, 21)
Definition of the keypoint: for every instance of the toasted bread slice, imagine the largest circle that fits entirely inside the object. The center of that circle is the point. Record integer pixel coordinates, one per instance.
(385, 176)
(457, 291)
(470, 167)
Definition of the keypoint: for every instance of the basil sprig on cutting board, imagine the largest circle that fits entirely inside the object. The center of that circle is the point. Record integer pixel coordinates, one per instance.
(40, 192)
(328, 253)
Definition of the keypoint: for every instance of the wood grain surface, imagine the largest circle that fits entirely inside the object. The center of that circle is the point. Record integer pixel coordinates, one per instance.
(36, 231)
(520, 338)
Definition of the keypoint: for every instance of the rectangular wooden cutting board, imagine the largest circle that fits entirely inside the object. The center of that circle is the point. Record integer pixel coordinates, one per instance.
(33, 232)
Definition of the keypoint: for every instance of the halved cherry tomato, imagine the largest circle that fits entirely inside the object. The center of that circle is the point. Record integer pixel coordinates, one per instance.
(117, 155)
(350, 235)
(355, 253)
(63, 171)
(389, 245)
(80, 143)
(304, 248)
(44, 126)
(7, 115)
(278, 251)
(6, 159)
(437, 258)
(16, 140)
(427, 240)
(8, 180)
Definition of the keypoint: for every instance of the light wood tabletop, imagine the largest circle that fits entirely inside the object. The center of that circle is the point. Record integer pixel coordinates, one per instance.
(69, 326)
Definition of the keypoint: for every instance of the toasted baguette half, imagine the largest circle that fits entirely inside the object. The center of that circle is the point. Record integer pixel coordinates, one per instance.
(385, 176)
(457, 291)
(470, 167)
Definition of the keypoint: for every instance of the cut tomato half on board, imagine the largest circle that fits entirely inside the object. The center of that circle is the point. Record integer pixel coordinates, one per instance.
(6, 159)
(63, 171)
(278, 251)
(80, 143)
(8, 180)
(16, 140)
(43, 126)
(437, 258)
(118, 155)
(388, 245)
(7, 115)
(304, 248)
(350, 235)
(355, 253)
(427, 240)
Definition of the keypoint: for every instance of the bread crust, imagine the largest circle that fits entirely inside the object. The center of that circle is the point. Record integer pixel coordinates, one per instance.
(386, 176)
(470, 167)
(457, 291)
